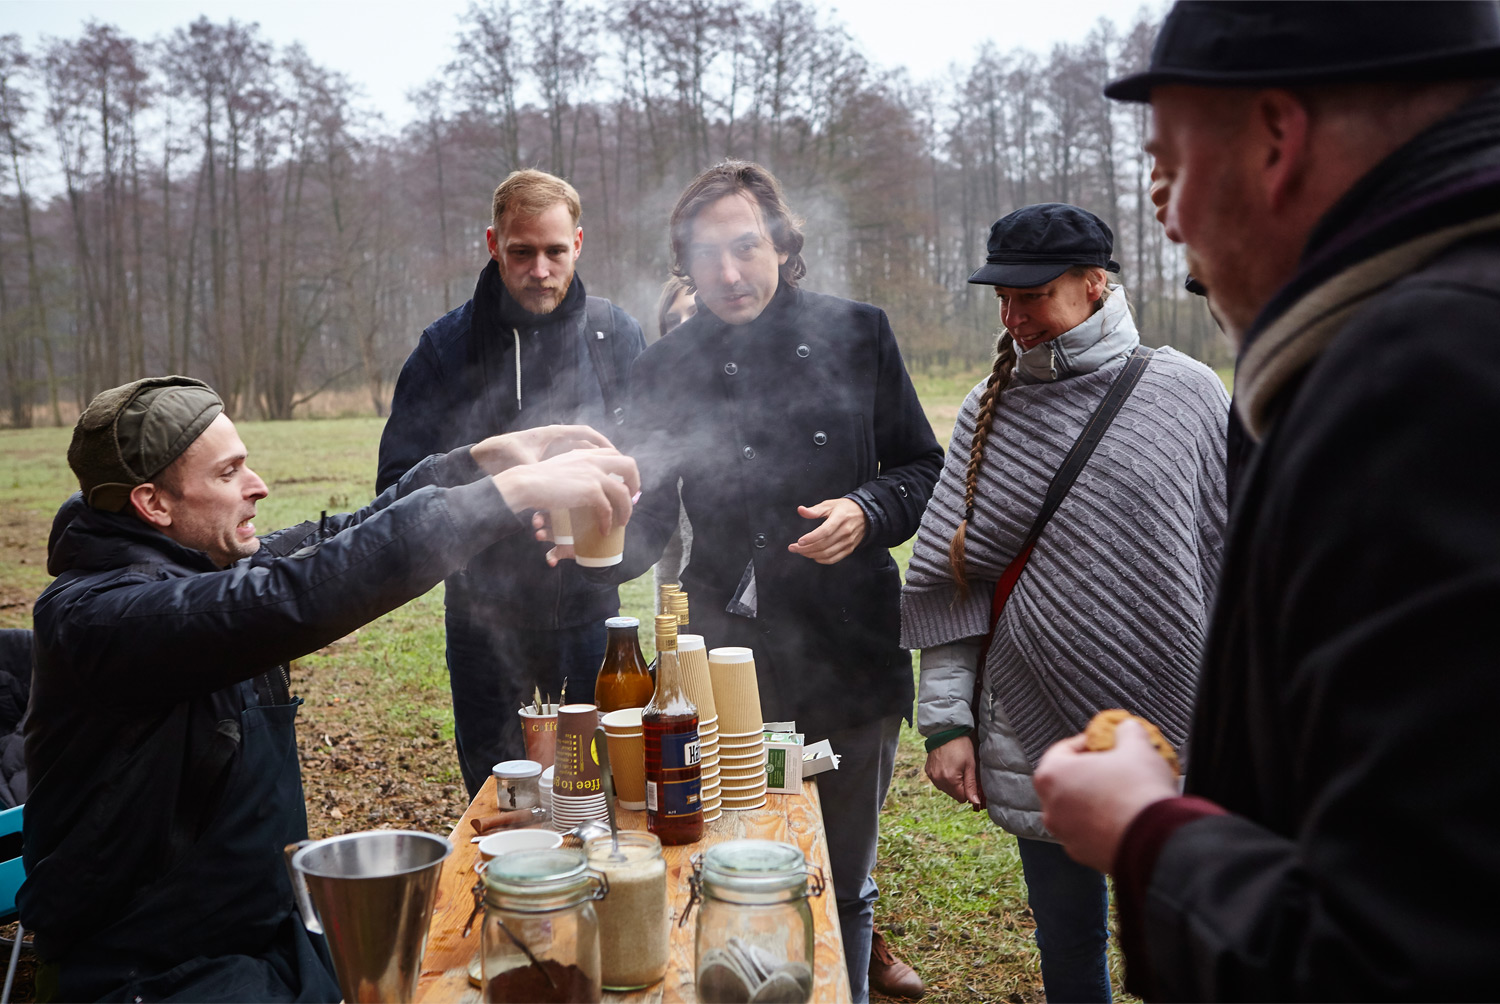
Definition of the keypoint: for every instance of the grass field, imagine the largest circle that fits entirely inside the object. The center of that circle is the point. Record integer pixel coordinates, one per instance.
(376, 730)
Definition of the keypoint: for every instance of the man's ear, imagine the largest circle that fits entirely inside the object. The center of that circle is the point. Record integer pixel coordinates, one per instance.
(152, 505)
(492, 242)
(1282, 125)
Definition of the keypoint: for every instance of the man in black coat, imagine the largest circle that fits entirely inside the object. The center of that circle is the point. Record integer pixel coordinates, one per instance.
(804, 455)
(530, 349)
(160, 744)
(1334, 170)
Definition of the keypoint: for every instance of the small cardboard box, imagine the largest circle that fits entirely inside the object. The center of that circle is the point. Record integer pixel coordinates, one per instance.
(788, 761)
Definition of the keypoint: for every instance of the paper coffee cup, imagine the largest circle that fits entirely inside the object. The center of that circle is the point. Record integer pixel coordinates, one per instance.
(627, 758)
(540, 734)
(593, 549)
(577, 773)
(692, 656)
(562, 526)
(736, 692)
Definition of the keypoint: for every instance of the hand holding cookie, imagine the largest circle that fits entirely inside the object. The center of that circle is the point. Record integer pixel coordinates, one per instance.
(1100, 735)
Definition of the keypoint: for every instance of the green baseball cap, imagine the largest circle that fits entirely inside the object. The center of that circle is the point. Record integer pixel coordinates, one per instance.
(129, 434)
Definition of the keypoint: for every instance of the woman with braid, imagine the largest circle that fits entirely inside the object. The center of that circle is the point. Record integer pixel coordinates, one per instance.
(1112, 602)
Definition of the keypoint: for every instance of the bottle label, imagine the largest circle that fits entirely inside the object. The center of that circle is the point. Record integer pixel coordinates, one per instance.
(673, 798)
(680, 749)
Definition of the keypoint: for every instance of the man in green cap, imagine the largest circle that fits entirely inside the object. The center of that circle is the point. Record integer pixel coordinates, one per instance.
(160, 736)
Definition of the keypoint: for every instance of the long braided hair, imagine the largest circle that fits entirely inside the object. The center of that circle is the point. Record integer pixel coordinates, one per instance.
(984, 421)
(989, 401)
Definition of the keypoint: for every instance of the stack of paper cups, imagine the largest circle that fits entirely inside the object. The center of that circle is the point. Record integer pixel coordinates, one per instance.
(577, 788)
(692, 656)
(708, 762)
(627, 755)
(741, 747)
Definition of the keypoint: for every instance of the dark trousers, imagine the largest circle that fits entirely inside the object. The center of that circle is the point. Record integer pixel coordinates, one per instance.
(494, 668)
(1070, 902)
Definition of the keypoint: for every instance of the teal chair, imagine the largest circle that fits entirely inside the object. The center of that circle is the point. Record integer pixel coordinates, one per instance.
(12, 874)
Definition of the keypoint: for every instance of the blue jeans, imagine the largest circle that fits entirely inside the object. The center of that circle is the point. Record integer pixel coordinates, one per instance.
(852, 797)
(493, 669)
(1070, 903)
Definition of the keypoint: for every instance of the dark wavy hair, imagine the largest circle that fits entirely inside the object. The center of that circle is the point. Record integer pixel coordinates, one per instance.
(731, 177)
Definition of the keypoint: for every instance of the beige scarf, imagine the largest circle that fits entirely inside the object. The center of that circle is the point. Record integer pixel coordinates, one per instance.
(1299, 336)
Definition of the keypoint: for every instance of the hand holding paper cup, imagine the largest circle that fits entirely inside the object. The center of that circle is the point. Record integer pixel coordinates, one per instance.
(593, 548)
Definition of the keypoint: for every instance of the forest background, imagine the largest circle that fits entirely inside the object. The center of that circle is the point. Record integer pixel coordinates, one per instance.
(228, 208)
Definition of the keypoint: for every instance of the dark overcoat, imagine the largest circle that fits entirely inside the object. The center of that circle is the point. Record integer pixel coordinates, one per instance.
(1347, 703)
(809, 402)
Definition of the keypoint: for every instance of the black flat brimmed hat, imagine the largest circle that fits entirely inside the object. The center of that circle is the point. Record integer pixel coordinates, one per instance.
(1036, 244)
(1275, 43)
(131, 433)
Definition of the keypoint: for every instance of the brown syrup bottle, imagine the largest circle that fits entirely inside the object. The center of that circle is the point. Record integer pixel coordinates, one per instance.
(674, 809)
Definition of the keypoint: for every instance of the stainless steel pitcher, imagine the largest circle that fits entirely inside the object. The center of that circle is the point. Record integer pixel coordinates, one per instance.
(371, 895)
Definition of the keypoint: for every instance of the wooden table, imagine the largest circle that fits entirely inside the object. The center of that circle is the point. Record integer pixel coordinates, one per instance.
(792, 819)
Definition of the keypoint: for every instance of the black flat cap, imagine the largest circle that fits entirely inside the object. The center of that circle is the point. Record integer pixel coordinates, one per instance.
(1272, 43)
(1036, 244)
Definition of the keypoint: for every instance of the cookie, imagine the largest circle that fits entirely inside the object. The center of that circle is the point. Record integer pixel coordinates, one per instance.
(1100, 735)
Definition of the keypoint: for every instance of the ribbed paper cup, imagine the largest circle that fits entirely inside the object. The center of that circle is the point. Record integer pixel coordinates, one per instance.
(624, 721)
(739, 737)
(739, 775)
(692, 656)
(727, 807)
(627, 759)
(562, 526)
(749, 793)
(736, 694)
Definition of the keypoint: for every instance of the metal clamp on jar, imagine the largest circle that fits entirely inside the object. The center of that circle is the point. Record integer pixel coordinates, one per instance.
(540, 939)
(754, 940)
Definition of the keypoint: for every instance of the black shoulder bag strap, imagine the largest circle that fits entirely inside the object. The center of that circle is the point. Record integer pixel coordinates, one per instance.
(598, 334)
(1093, 431)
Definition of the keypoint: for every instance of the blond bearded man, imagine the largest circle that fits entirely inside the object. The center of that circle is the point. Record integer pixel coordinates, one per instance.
(529, 349)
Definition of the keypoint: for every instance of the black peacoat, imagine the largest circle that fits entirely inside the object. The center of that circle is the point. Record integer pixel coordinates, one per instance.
(808, 402)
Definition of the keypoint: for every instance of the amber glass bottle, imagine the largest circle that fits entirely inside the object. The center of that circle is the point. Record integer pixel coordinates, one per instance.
(623, 680)
(674, 811)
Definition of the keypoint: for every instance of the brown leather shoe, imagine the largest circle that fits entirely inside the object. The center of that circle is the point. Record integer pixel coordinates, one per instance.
(889, 975)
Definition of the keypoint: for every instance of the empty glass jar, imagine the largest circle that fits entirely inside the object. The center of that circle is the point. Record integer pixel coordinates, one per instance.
(754, 939)
(540, 940)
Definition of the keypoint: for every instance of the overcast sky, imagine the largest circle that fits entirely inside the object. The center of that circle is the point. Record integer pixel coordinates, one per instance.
(388, 47)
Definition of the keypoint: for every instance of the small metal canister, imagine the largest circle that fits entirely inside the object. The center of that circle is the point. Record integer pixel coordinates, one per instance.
(754, 940)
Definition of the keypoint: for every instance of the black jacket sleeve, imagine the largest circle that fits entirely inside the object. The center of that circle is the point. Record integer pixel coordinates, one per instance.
(1365, 859)
(164, 639)
(421, 422)
(909, 456)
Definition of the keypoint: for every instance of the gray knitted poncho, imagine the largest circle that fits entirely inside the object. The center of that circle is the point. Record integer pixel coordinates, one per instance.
(1113, 606)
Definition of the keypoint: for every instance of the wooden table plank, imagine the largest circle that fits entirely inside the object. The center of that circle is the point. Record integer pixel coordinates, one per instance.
(793, 819)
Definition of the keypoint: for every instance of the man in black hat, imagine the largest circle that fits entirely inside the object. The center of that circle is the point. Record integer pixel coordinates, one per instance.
(165, 779)
(1335, 171)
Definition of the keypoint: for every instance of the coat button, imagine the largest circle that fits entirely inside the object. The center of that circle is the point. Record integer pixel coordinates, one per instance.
(731, 369)
(803, 351)
(749, 452)
(820, 438)
(901, 490)
(760, 540)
